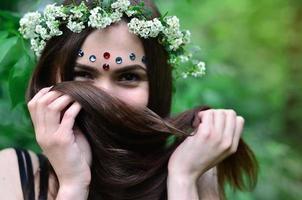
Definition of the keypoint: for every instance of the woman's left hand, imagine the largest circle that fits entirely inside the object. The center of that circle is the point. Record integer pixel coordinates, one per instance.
(216, 137)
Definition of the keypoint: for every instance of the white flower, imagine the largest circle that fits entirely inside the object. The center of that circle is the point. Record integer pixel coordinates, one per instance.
(176, 43)
(116, 16)
(79, 11)
(51, 12)
(130, 13)
(134, 26)
(173, 22)
(183, 58)
(42, 32)
(201, 66)
(99, 18)
(200, 69)
(187, 37)
(145, 29)
(38, 46)
(156, 27)
(74, 26)
(173, 34)
(53, 26)
(184, 75)
(28, 24)
(121, 5)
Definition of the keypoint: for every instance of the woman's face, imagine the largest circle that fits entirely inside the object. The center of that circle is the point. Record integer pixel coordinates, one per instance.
(112, 59)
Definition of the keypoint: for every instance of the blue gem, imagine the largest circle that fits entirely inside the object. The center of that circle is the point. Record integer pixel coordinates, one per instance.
(118, 60)
(144, 59)
(81, 53)
(132, 56)
(92, 58)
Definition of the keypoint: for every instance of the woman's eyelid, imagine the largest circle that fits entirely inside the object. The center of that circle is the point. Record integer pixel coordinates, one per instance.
(135, 74)
(82, 73)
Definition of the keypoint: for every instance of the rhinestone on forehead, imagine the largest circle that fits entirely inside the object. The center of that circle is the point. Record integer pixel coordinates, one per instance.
(118, 60)
(106, 67)
(92, 58)
(106, 55)
(81, 53)
(144, 59)
(132, 56)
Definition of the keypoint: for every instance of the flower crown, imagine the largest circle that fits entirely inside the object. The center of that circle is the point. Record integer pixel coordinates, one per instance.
(40, 27)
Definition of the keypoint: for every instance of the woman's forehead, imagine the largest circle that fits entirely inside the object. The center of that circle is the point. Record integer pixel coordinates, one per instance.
(114, 46)
(114, 38)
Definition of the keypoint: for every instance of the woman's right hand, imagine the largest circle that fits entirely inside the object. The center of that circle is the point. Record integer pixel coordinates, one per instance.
(65, 147)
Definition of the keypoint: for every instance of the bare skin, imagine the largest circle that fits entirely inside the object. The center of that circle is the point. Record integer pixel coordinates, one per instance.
(217, 130)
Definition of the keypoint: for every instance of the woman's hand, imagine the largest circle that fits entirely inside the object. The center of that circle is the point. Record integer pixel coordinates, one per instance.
(66, 147)
(216, 137)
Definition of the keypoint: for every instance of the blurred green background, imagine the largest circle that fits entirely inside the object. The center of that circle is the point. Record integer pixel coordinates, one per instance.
(253, 51)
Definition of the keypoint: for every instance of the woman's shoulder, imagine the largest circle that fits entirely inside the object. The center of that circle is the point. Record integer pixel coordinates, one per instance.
(10, 185)
(10, 181)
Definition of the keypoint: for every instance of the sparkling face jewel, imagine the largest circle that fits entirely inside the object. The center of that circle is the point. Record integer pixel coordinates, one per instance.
(118, 60)
(81, 53)
(106, 67)
(92, 58)
(106, 55)
(132, 56)
(144, 59)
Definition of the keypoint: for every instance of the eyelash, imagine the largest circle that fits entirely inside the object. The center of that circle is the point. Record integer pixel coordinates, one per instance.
(137, 77)
(90, 76)
(82, 74)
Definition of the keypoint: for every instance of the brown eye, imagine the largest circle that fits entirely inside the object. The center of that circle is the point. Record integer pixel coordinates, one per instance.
(129, 77)
(82, 74)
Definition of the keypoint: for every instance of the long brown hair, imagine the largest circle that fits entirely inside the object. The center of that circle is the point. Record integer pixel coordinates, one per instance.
(128, 159)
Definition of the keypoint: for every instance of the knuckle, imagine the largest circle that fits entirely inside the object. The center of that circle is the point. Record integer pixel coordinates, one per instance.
(226, 145)
(220, 112)
(68, 114)
(231, 112)
(233, 150)
(200, 113)
(52, 108)
(241, 119)
(44, 89)
(42, 101)
(30, 105)
(42, 141)
(205, 132)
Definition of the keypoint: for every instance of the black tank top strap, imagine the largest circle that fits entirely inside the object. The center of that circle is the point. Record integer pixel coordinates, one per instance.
(26, 174)
(44, 174)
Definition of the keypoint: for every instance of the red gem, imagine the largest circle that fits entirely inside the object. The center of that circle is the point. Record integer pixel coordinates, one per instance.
(106, 55)
(106, 67)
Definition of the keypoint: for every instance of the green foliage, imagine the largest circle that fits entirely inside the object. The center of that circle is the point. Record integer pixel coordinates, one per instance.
(15, 59)
(246, 47)
(251, 50)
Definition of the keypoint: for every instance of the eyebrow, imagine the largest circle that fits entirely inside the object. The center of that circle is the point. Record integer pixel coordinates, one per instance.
(94, 70)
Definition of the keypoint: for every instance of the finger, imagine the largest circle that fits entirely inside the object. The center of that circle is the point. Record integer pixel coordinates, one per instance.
(42, 103)
(204, 128)
(238, 132)
(69, 116)
(41, 93)
(54, 111)
(229, 131)
(219, 121)
(196, 121)
(32, 103)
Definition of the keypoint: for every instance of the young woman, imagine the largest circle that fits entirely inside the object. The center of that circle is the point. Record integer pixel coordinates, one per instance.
(104, 124)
